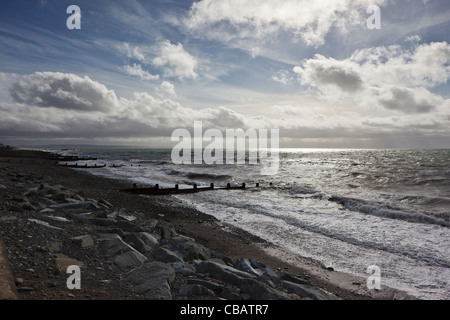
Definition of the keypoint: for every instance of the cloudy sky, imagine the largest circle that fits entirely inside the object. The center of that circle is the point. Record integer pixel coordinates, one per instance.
(139, 69)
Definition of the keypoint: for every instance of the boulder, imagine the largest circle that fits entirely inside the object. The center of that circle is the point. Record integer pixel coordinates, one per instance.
(148, 239)
(130, 259)
(208, 284)
(165, 255)
(188, 249)
(245, 265)
(191, 290)
(129, 226)
(304, 291)
(113, 245)
(136, 242)
(182, 268)
(155, 290)
(151, 271)
(222, 272)
(258, 290)
(152, 280)
(165, 231)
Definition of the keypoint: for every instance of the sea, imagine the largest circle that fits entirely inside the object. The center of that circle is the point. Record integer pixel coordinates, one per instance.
(348, 209)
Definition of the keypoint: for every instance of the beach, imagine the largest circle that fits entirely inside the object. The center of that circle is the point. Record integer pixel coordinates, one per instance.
(34, 249)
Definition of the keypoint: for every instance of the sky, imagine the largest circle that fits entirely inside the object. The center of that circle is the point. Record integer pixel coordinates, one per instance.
(135, 71)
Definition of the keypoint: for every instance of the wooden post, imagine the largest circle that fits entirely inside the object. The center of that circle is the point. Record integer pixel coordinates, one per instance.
(195, 186)
(228, 185)
(212, 186)
(176, 187)
(243, 185)
(156, 186)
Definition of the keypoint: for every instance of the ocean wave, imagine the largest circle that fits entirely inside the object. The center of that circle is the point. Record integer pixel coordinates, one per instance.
(384, 211)
(198, 175)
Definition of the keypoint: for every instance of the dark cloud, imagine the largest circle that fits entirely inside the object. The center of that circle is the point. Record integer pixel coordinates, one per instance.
(404, 100)
(346, 80)
(63, 91)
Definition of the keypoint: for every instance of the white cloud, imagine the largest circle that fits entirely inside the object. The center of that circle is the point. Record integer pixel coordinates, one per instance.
(283, 76)
(391, 77)
(225, 20)
(132, 52)
(176, 61)
(137, 71)
(166, 89)
(322, 72)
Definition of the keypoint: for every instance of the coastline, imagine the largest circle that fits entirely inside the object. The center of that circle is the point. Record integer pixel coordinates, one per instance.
(205, 229)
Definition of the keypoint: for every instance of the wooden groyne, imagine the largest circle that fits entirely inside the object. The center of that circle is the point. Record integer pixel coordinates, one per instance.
(81, 166)
(156, 190)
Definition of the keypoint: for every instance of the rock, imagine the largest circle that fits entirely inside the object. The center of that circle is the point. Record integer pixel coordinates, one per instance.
(47, 210)
(190, 290)
(83, 241)
(63, 262)
(222, 272)
(260, 291)
(288, 277)
(57, 219)
(129, 226)
(149, 271)
(230, 294)
(136, 242)
(130, 259)
(244, 265)
(31, 192)
(19, 198)
(165, 231)
(104, 222)
(54, 246)
(59, 196)
(126, 217)
(165, 255)
(182, 268)
(155, 290)
(43, 223)
(74, 205)
(113, 245)
(111, 230)
(152, 280)
(305, 291)
(188, 249)
(148, 239)
(28, 206)
(105, 203)
(208, 284)
(45, 189)
(8, 219)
